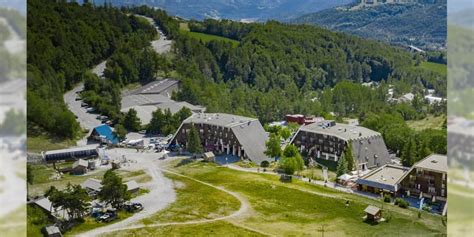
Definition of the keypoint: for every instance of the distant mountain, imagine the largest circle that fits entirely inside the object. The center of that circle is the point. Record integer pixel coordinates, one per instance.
(252, 10)
(422, 25)
(463, 18)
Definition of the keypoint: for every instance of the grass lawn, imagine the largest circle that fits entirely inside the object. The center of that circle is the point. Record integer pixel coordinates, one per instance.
(45, 143)
(36, 219)
(195, 201)
(294, 209)
(184, 28)
(218, 228)
(428, 122)
(435, 67)
(317, 174)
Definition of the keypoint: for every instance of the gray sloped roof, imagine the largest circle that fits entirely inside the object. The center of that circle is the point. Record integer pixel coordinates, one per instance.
(131, 185)
(372, 210)
(219, 119)
(343, 131)
(156, 87)
(434, 162)
(93, 184)
(252, 137)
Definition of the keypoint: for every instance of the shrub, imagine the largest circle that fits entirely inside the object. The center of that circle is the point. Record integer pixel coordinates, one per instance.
(265, 164)
(387, 198)
(401, 203)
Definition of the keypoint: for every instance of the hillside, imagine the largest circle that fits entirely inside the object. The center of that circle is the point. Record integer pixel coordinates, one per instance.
(253, 10)
(278, 69)
(422, 25)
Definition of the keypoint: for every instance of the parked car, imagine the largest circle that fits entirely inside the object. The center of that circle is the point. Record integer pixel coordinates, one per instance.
(133, 207)
(142, 132)
(78, 98)
(90, 110)
(84, 104)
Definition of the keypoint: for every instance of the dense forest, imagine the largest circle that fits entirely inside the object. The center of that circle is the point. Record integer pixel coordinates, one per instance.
(64, 41)
(422, 25)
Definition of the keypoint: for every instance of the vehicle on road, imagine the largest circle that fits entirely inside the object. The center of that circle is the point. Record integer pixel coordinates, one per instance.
(90, 110)
(84, 104)
(133, 207)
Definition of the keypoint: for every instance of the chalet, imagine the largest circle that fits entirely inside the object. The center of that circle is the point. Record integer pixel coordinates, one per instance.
(226, 133)
(326, 141)
(427, 178)
(104, 134)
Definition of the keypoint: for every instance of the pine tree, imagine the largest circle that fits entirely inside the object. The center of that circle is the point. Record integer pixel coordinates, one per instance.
(341, 167)
(349, 157)
(409, 154)
(194, 141)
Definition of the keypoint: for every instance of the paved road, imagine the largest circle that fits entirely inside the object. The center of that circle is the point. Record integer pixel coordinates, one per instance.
(99, 69)
(87, 120)
(162, 45)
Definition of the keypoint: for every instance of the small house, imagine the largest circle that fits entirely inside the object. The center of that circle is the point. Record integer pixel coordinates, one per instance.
(104, 134)
(209, 156)
(52, 231)
(132, 186)
(373, 213)
(79, 167)
(92, 185)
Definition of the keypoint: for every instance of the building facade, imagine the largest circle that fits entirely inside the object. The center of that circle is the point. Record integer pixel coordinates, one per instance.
(327, 141)
(226, 134)
(427, 178)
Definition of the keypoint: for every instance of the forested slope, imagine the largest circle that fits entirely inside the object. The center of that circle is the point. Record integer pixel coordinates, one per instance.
(64, 41)
(422, 25)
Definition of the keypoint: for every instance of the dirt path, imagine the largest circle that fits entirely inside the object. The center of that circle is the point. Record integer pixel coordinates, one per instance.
(244, 207)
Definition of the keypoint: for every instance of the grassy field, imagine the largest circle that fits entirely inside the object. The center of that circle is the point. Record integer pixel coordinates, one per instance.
(45, 143)
(317, 174)
(295, 209)
(205, 37)
(428, 122)
(435, 67)
(218, 228)
(209, 203)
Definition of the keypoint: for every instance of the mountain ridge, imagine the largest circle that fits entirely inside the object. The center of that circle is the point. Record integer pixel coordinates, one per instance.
(421, 25)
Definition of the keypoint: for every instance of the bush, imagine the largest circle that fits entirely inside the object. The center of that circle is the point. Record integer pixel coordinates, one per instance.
(265, 164)
(401, 203)
(387, 198)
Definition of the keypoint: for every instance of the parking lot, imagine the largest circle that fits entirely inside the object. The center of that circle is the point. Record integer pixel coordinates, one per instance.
(87, 120)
